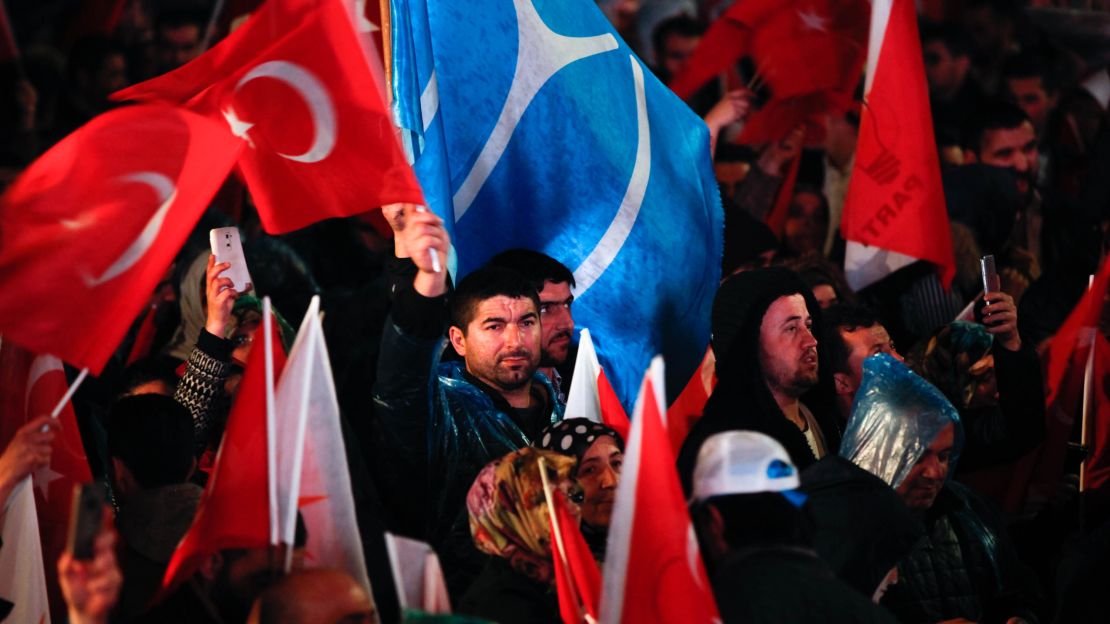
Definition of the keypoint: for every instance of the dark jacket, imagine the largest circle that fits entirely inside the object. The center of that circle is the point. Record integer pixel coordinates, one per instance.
(741, 399)
(1005, 432)
(777, 585)
(861, 527)
(438, 430)
(503, 595)
(965, 567)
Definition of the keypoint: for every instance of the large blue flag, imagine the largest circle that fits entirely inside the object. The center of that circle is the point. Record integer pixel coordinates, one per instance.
(533, 125)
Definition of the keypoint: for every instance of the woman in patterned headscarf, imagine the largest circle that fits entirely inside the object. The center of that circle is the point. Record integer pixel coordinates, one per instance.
(509, 521)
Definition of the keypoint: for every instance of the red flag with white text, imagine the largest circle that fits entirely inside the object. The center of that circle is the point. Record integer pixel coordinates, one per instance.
(653, 570)
(894, 212)
(87, 231)
(298, 84)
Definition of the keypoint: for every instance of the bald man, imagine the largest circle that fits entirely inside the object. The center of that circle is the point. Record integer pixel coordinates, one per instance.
(314, 597)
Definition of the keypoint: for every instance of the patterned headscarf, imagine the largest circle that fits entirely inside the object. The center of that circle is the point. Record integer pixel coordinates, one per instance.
(574, 436)
(508, 511)
(948, 358)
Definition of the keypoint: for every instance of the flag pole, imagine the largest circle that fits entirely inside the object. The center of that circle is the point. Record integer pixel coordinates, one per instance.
(387, 48)
(1088, 382)
(69, 393)
(271, 459)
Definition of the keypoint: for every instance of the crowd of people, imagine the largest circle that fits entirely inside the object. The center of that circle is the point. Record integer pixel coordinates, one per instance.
(844, 468)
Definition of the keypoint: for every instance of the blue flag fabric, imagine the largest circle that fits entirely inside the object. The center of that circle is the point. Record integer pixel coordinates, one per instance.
(533, 125)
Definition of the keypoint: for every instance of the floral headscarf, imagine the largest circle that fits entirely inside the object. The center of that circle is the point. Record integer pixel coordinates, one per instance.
(508, 510)
(948, 359)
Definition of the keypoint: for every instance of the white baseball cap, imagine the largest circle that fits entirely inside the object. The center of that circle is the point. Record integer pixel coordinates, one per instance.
(744, 462)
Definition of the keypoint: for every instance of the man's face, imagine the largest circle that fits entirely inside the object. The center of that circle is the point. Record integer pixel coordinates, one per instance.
(863, 342)
(177, 45)
(556, 322)
(501, 345)
(920, 487)
(806, 224)
(1030, 95)
(944, 72)
(599, 472)
(676, 51)
(1015, 148)
(787, 348)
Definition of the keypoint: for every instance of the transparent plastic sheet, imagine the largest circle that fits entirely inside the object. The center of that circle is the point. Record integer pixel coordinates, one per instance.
(895, 418)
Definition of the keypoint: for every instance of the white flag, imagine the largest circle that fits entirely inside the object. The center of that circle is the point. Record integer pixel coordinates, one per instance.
(583, 400)
(311, 465)
(22, 578)
(417, 575)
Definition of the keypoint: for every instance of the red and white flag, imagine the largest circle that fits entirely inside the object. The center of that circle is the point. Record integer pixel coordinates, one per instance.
(591, 395)
(577, 579)
(894, 212)
(32, 386)
(300, 85)
(417, 575)
(87, 231)
(653, 569)
(236, 509)
(311, 459)
(687, 409)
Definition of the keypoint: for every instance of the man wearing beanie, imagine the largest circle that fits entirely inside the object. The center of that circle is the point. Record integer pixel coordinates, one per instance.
(766, 360)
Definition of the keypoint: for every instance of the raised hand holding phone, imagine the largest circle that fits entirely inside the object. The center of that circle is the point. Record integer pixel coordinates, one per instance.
(228, 249)
(998, 311)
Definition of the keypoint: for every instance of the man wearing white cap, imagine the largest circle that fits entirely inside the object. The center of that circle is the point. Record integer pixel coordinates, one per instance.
(755, 540)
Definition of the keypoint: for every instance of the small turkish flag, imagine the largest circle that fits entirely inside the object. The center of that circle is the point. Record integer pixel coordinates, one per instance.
(653, 569)
(577, 579)
(87, 231)
(894, 212)
(30, 387)
(321, 142)
(235, 510)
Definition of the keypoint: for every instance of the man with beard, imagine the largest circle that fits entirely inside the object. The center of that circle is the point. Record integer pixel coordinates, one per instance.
(763, 339)
(441, 422)
(554, 283)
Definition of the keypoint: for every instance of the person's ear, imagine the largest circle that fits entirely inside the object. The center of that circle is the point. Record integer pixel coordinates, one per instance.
(843, 383)
(458, 340)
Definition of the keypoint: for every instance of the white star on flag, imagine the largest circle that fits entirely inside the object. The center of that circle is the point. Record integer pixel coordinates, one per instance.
(813, 20)
(43, 477)
(238, 127)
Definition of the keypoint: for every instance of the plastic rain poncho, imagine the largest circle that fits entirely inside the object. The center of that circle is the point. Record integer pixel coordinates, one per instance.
(895, 418)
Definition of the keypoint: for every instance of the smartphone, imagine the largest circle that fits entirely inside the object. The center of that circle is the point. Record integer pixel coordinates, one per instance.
(989, 272)
(227, 247)
(85, 519)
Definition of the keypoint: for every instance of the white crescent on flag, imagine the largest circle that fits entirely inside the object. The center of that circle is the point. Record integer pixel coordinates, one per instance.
(315, 96)
(167, 192)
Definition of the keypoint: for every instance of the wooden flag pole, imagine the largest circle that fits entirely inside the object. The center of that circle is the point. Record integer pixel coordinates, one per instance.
(1088, 382)
(562, 552)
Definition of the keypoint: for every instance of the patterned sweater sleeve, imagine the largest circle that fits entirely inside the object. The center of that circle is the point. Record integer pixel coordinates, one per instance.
(201, 390)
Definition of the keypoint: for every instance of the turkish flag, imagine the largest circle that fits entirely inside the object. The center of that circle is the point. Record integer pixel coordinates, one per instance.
(31, 386)
(808, 52)
(234, 511)
(87, 231)
(894, 212)
(591, 394)
(300, 86)
(653, 570)
(577, 579)
(690, 404)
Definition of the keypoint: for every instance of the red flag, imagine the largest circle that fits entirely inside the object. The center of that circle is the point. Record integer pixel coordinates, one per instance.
(234, 511)
(894, 212)
(577, 578)
(688, 407)
(653, 571)
(144, 337)
(87, 231)
(299, 87)
(31, 386)
(809, 52)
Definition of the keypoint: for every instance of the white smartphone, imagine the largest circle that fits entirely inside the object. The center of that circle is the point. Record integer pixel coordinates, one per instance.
(227, 247)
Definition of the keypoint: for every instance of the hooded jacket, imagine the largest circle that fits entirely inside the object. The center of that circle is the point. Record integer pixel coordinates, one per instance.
(741, 399)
